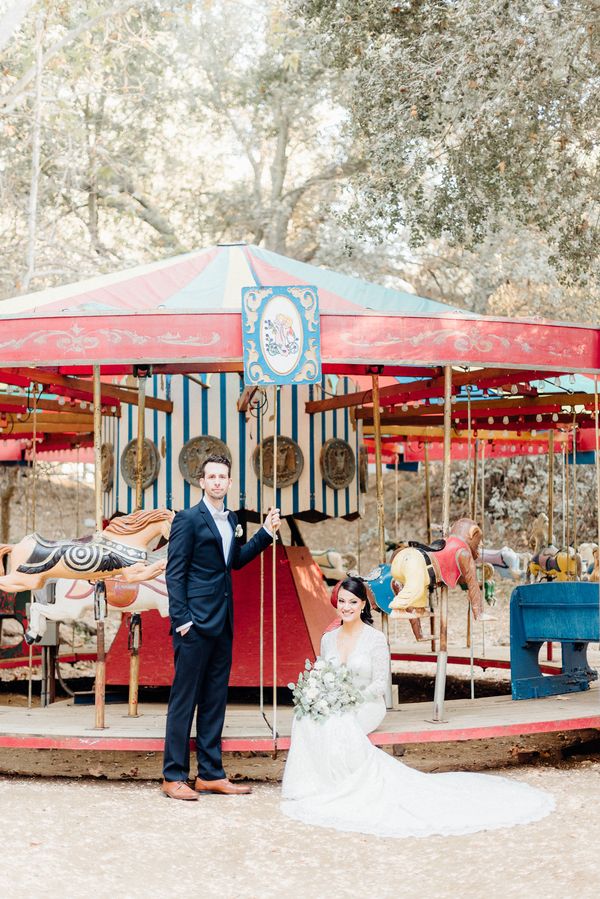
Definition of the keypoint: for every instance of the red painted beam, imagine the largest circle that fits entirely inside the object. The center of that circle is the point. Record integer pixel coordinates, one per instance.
(465, 660)
(260, 744)
(23, 661)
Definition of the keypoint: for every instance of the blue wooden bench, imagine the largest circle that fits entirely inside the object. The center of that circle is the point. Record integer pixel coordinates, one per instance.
(565, 613)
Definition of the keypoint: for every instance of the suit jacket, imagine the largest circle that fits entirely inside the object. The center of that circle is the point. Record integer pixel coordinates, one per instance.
(198, 576)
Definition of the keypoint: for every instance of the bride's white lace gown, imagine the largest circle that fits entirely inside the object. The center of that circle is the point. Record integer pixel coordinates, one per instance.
(335, 777)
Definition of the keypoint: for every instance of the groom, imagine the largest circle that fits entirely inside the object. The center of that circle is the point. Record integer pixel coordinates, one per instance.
(203, 548)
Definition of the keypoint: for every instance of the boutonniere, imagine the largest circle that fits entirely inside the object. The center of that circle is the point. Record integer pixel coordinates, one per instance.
(239, 531)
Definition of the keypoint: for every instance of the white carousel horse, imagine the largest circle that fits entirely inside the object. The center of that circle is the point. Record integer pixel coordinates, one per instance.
(507, 563)
(73, 598)
(333, 564)
(120, 550)
(549, 563)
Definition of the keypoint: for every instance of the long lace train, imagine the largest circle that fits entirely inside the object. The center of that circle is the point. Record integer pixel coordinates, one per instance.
(335, 777)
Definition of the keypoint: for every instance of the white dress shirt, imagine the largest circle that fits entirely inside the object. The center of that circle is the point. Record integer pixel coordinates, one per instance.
(221, 519)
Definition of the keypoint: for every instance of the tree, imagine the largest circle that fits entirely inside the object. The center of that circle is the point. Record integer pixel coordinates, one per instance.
(160, 127)
(274, 114)
(473, 116)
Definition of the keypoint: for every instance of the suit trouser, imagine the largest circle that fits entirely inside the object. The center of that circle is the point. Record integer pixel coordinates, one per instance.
(202, 666)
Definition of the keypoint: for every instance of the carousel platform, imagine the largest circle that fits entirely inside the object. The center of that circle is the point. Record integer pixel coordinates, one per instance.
(68, 726)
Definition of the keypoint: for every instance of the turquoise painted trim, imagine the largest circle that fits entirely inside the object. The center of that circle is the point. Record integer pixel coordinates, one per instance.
(169, 450)
(186, 434)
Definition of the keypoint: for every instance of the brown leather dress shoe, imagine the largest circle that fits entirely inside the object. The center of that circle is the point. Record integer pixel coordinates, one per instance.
(178, 789)
(223, 786)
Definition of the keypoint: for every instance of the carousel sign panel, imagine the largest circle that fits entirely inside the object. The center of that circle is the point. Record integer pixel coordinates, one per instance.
(281, 335)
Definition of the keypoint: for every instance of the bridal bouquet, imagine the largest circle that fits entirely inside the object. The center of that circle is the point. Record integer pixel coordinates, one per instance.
(324, 689)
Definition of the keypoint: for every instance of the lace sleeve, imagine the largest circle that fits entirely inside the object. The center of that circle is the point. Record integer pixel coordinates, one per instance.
(324, 645)
(380, 668)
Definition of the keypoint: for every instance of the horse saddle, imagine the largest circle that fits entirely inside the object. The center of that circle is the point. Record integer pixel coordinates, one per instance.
(436, 547)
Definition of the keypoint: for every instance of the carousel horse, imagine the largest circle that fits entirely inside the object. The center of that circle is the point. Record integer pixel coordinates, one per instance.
(72, 598)
(506, 562)
(548, 563)
(595, 572)
(333, 564)
(119, 551)
(588, 552)
(417, 569)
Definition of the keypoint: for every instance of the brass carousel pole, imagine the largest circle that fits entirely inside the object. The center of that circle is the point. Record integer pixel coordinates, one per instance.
(567, 500)
(551, 487)
(442, 658)
(396, 523)
(428, 525)
(274, 572)
(33, 510)
(380, 506)
(427, 491)
(135, 621)
(261, 506)
(597, 445)
(99, 586)
(574, 494)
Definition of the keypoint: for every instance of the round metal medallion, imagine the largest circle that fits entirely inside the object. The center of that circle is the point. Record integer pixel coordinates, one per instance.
(194, 452)
(290, 461)
(338, 465)
(107, 466)
(150, 463)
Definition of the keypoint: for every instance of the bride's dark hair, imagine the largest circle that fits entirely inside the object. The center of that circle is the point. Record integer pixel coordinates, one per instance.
(357, 586)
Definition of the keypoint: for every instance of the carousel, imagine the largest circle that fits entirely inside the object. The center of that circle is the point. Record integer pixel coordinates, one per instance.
(148, 370)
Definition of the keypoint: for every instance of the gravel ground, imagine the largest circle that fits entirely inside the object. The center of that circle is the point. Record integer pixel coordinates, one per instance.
(121, 839)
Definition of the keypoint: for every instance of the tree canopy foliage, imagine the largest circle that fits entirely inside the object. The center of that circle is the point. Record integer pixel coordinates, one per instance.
(475, 116)
(447, 144)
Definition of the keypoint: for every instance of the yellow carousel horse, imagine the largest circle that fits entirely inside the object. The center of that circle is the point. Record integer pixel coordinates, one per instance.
(548, 563)
(417, 568)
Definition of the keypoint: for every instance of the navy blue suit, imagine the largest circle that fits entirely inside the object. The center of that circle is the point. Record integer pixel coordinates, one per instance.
(200, 590)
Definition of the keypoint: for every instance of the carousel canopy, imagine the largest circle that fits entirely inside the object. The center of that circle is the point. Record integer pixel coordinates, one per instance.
(185, 311)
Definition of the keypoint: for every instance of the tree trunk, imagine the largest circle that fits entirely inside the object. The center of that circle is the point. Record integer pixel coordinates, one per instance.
(8, 484)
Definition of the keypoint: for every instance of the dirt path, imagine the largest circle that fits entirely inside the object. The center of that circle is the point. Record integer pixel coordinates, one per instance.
(64, 838)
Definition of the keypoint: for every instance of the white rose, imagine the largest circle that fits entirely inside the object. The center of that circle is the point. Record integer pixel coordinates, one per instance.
(319, 664)
(239, 531)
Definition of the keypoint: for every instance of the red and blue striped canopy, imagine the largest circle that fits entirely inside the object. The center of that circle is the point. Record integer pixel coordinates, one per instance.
(187, 310)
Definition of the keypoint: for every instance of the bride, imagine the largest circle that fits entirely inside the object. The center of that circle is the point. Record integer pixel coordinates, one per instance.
(335, 777)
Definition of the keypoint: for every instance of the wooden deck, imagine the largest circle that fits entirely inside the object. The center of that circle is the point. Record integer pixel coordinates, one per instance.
(68, 726)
